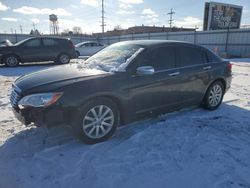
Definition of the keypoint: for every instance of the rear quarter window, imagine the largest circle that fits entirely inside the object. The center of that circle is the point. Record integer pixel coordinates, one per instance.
(188, 56)
(212, 57)
(50, 42)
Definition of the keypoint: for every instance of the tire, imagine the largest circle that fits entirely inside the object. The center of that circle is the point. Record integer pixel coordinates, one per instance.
(11, 60)
(63, 58)
(214, 96)
(87, 125)
(77, 54)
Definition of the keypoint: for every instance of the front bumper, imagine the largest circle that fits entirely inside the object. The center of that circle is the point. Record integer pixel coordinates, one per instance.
(39, 116)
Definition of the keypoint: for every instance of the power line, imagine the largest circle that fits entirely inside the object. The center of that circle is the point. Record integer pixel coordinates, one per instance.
(171, 18)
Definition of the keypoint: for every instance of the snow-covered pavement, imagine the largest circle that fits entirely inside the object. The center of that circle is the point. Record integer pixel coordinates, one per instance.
(190, 148)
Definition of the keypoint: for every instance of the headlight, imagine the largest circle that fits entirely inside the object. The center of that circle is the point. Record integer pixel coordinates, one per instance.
(39, 100)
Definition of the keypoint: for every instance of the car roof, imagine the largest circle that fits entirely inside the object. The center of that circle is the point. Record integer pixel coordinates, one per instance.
(149, 43)
(87, 42)
(48, 37)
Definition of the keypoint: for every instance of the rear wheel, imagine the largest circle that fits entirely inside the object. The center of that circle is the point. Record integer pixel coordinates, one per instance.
(214, 96)
(63, 59)
(97, 120)
(11, 61)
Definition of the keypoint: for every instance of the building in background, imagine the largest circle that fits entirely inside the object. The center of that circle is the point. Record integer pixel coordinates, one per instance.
(221, 16)
(142, 29)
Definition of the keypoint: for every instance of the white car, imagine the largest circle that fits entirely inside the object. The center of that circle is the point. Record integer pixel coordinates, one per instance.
(88, 48)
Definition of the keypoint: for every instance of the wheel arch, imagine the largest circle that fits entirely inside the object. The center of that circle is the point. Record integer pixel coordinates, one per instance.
(9, 54)
(222, 80)
(58, 55)
(117, 101)
(114, 99)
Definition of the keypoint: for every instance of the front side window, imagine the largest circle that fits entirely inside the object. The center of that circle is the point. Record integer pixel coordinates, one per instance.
(161, 58)
(33, 43)
(188, 56)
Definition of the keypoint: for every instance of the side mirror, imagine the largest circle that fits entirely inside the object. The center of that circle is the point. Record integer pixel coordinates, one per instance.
(145, 70)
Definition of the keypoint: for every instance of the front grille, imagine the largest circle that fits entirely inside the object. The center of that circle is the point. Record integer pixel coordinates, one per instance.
(15, 96)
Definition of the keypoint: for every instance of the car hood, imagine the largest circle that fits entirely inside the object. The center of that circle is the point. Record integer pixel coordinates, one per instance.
(6, 48)
(56, 77)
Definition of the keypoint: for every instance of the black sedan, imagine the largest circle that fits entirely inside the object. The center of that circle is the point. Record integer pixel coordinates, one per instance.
(121, 83)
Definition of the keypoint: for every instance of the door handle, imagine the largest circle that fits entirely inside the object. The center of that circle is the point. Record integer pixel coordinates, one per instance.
(207, 68)
(174, 74)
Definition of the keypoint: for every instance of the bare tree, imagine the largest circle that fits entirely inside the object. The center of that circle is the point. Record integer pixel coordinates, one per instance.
(77, 30)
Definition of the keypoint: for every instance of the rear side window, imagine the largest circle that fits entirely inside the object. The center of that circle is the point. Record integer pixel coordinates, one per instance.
(212, 57)
(33, 43)
(160, 58)
(94, 44)
(187, 56)
(50, 42)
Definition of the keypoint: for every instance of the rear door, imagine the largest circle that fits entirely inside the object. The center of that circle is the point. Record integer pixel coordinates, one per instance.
(94, 47)
(50, 48)
(31, 50)
(157, 91)
(194, 73)
(85, 49)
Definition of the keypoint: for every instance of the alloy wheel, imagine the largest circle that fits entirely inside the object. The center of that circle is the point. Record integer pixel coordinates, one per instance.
(11, 61)
(98, 121)
(64, 58)
(215, 95)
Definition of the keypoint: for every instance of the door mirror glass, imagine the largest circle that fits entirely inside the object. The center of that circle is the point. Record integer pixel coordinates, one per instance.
(145, 70)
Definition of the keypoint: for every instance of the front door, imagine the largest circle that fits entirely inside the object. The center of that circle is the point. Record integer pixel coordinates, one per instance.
(159, 90)
(31, 50)
(51, 49)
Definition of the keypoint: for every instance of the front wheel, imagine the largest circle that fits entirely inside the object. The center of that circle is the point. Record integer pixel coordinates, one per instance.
(11, 61)
(214, 96)
(97, 120)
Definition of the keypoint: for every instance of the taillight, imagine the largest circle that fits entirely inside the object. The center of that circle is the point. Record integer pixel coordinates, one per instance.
(229, 66)
(72, 45)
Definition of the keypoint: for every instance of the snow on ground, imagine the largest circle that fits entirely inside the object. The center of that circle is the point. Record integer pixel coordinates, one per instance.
(189, 148)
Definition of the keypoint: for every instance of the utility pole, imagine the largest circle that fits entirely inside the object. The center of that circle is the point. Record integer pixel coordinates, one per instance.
(103, 23)
(34, 26)
(171, 18)
(21, 29)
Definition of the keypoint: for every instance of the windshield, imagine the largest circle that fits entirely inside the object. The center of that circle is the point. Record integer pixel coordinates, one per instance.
(113, 58)
(79, 44)
(20, 42)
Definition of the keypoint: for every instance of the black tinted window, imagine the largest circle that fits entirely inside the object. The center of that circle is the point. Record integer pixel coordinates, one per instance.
(212, 57)
(160, 58)
(33, 43)
(87, 44)
(50, 42)
(187, 56)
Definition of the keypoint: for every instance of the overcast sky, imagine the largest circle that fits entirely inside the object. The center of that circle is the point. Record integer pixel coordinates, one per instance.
(87, 13)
